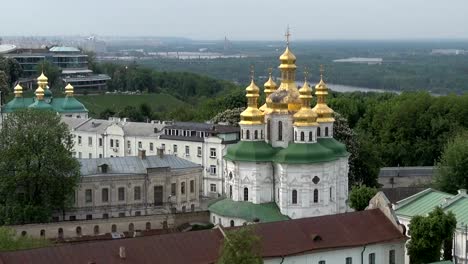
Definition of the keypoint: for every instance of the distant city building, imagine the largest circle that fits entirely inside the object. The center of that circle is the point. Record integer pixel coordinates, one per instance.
(71, 61)
(287, 164)
(361, 60)
(67, 106)
(448, 52)
(201, 143)
(135, 186)
(424, 202)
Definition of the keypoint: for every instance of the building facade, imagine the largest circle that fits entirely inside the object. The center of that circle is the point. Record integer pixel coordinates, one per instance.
(200, 143)
(134, 186)
(72, 62)
(287, 155)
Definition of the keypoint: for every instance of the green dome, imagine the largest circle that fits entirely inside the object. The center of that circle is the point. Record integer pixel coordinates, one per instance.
(40, 104)
(337, 147)
(70, 104)
(305, 153)
(47, 93)
(253, 151)
(15, 104)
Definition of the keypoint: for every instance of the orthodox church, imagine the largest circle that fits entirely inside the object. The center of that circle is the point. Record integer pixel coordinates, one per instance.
(44, 99)
(287, 164)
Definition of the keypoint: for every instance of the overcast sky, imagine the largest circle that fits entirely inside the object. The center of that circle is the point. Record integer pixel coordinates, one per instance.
(239, 19)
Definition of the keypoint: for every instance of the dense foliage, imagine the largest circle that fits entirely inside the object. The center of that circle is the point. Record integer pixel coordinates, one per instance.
(9, 240)
(53, 74)
(428, 235)
(37, 171)
(10, 71)
(241, 246)
(360, 196)
(451, 174)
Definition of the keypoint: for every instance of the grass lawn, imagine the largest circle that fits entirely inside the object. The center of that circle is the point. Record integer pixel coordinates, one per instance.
(158, 102)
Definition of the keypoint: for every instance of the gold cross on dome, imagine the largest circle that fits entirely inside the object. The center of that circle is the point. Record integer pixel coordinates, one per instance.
(321, 70)
(270, 71)
(287, 35)
(252, 72)
(306, 73)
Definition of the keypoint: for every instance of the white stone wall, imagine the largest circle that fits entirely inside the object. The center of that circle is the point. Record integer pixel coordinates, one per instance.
(248, 132)
(216, 219)
(332, 188)
(306, 131)
(287, 131)
(358, 255)
(323, 127)
(257, 177)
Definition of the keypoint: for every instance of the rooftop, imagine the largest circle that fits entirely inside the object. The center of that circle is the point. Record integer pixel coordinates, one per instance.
(279, 239)
(133, 165)
(204, 127)
(406, 171)
(64, 49)
(267, 212)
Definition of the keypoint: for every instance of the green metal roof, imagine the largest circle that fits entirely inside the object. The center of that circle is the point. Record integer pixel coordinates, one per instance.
(337, 147)
(255, 151)
(40, 104)
(442, 262)
(303, 153)
(16, 104)
(266, 212)
(460, 208)
(60, 105)
(422, 203)
(71, 104)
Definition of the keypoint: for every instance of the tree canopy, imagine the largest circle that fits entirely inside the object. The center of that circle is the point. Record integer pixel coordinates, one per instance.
(428, 234)
(9, 240)
(451, 173)
(360, 196)
(37, 171)
(241, 246)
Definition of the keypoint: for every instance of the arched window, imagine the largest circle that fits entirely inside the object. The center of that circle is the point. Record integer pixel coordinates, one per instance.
(318, 131)
(230, 175)
(232, 223)
(295, 135)
(261, 134)
(256, 134)
(246, 194)
(131, 227)
(316, 196)
(326, 131)
(294, 196)
(230, 191)
(78, 230)
(247, 134)
(302, 136)
(268, 130)
(24, 233)
(280, 130)
(310, 136)
(114, 228)
(42, 233)
(96, 230)
(148, 226)
(60, 232)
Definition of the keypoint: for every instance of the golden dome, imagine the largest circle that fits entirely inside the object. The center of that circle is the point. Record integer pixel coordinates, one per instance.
(305, 116)
(18, 90)
(324, 112)
(39, 93)
(287, 56)
(252, 115)
(69, 90)
(42, 81)
(288, 83)
(270, 87)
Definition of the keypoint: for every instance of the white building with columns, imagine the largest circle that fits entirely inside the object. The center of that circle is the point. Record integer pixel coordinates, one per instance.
(201, 143)
(287, 163)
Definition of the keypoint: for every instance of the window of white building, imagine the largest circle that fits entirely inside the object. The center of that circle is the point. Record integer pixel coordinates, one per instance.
(129, 144)
(174, 149)
(111, 143)
(182, 187)
(117, 143)
(372, 258)
(90, 141)
(121, 193)
(199, 152)
(79, 155)
(90, 155)
(187, 151)
(391, 257)
(212, 169)
(88, 196)
(79, 140)
(140, 145)
(151, 147)
(316, 196)
(246, 194)
(212, 187)
(212, 153)
(173, 189)
(294, 197)
(137, 193)
(349, 260)
(192, 186)
(105, 195)
(100, 142)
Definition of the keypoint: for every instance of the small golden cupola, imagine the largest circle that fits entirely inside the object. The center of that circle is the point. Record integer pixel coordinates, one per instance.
(323, 111)
(18, 90)
(305, 116)
(287, 93)
(270, 87)
(69, 90)
(41, 86)
(252, 115)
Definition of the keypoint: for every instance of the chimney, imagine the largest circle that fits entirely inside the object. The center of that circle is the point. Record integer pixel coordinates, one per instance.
(160, 152)
(142, 154)
(122, 254)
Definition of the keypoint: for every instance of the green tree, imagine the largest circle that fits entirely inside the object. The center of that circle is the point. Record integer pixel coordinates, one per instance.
(231, 116)
(360, 196)
(4, 87)
(451, 170)
(38, 174)
(10, 241)
(241, 246)
(428, 234)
